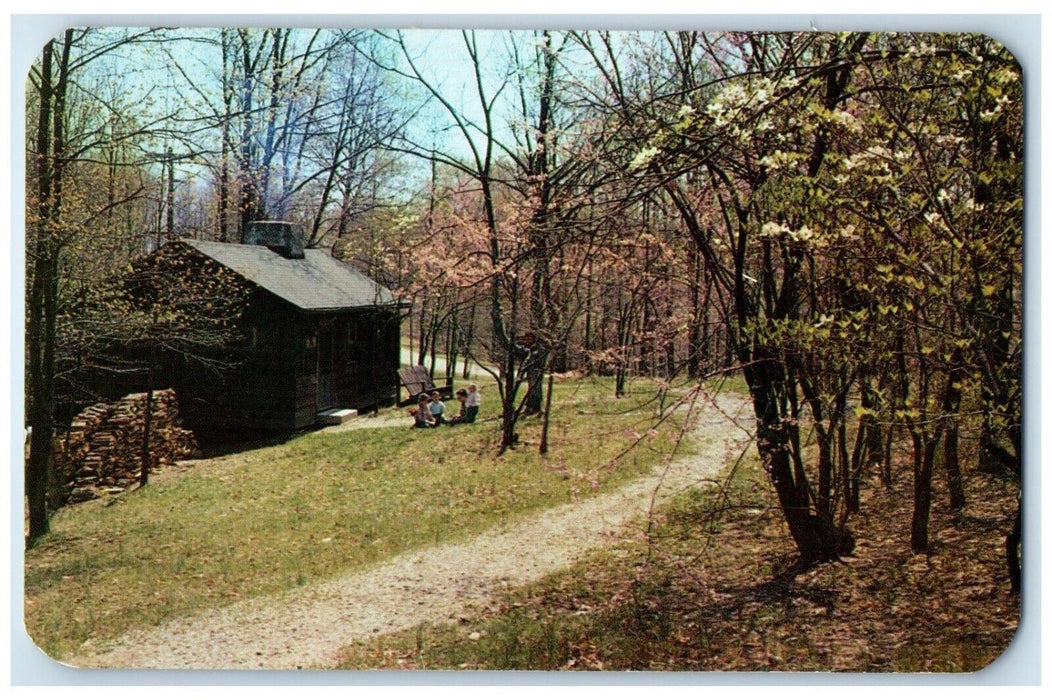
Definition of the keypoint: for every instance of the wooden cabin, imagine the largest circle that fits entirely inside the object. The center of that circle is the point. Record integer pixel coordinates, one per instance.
(317, 337)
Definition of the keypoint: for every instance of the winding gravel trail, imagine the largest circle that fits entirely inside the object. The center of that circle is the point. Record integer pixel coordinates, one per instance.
(306, 627)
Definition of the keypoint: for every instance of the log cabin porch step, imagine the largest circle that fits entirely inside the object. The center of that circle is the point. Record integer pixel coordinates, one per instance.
(335, 416)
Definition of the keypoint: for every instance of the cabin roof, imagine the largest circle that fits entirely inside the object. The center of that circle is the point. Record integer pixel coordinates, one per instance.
(316, 282)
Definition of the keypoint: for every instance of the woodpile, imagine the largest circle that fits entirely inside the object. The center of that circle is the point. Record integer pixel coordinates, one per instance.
(102, 453)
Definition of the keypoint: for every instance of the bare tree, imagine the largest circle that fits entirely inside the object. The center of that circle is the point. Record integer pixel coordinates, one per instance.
(54, 225)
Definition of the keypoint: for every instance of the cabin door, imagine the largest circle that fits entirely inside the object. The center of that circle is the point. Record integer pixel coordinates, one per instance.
(326, 350)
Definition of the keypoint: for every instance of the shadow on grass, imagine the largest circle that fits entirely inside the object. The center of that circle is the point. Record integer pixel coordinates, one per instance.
(228, 442)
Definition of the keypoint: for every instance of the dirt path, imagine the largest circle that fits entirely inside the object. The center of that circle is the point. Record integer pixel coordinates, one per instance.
(306, 627)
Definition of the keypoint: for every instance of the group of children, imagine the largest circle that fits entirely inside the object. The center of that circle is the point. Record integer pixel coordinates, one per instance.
(430, 412)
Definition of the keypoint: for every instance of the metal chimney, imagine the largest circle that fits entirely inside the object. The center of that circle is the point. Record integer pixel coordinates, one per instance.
(284, 238)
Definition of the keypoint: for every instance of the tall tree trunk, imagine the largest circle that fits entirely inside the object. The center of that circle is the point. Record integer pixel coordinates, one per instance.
(433, 356)
(533, 368)
(225, 144)
(43, 298)
(670, 341)
(849, 480)
(506, 338)
(145, 457)
(547, 415)
(695, 353)
(541, 306)
(824, 497)
(779, 452)
(589, 300)
(923, 458)
(169, 219)
(250, 207)
(421, 354)
(1013, 549)
(868, 446)
(621, 362)
(951, 408)
(467, 340)
(452, 352)
(40, 403)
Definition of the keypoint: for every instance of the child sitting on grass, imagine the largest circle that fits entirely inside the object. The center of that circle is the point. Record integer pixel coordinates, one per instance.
(468, 410)
(437, 408)
(471, 404)
(422, 417)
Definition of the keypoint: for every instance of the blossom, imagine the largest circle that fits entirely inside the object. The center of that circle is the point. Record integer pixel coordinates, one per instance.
(643, 157)
(772, 229)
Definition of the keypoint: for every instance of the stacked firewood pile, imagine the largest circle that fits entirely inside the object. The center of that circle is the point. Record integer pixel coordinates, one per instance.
(103, 452)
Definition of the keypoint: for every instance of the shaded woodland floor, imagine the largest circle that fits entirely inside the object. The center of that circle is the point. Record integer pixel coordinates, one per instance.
(707, 590)
(882, 609)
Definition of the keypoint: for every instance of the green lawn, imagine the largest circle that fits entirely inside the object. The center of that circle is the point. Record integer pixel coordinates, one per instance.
(318, 505)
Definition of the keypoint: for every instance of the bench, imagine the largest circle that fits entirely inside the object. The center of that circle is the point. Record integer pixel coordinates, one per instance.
(417, 381)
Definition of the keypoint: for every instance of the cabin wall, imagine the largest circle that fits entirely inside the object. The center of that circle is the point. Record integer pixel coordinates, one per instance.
(256, 389)
(368, 359)
(305, 379)
(346, 360)
(266, 390)
(294, 364)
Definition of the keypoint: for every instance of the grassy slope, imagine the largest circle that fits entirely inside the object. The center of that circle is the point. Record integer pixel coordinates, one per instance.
(277, 517)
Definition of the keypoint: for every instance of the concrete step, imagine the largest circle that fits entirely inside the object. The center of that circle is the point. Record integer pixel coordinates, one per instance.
(335, 416)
